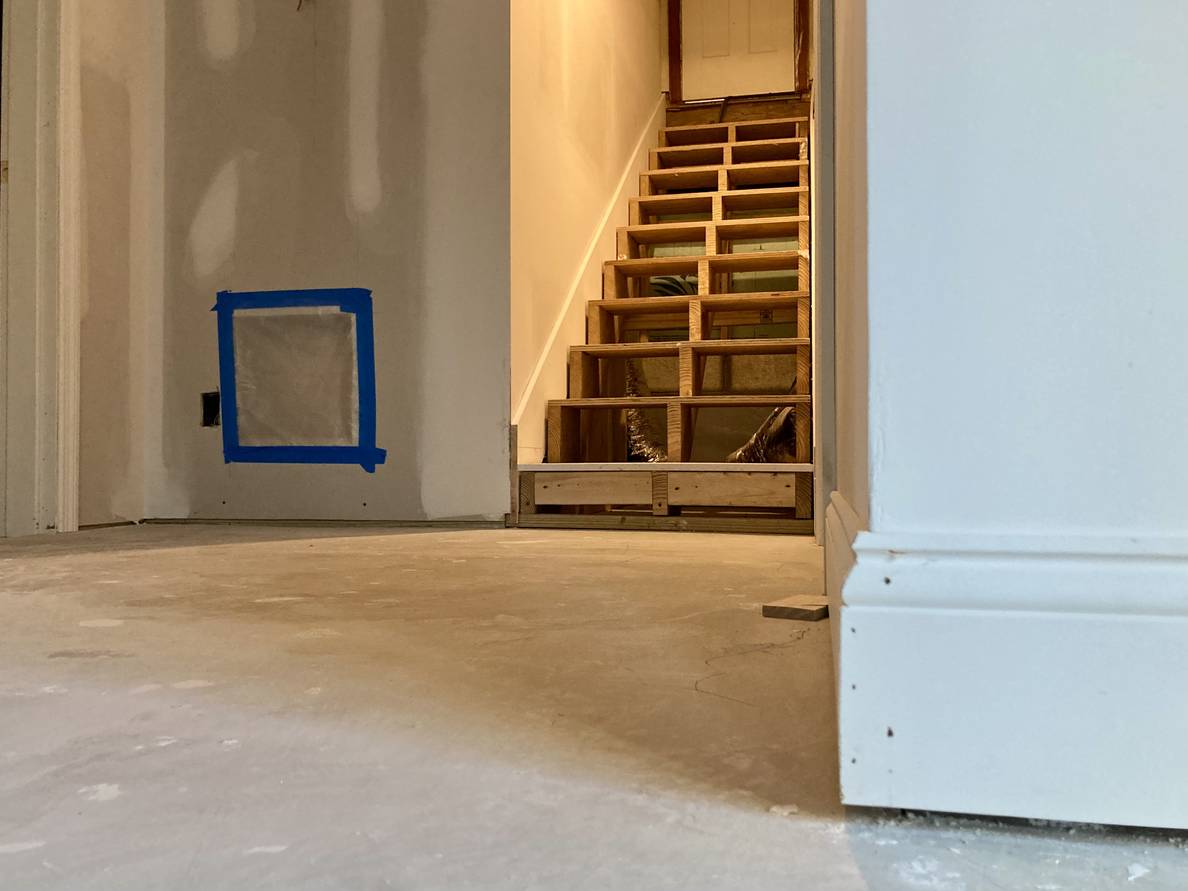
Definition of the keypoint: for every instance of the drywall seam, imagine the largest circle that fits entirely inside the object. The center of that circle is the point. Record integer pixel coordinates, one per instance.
(632, 168)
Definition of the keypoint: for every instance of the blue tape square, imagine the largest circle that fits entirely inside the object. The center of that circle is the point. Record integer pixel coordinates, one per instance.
(350, 300)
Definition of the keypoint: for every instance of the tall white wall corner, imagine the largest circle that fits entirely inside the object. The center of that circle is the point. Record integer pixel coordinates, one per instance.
(1019, 676)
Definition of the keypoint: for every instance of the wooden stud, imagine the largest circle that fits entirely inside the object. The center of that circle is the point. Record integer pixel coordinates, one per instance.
(686, 370)
(678, 439)
(625, 246)
(704, 284)
(804, 354)
(803, 431)
(600, 325)
(527, 494)
(614, 282)
(583, 375)
(563, 431)
(697, 317)
(513, 460)
(660, 494)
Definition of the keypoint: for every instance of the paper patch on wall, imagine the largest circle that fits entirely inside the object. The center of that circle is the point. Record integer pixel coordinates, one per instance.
(297, 372)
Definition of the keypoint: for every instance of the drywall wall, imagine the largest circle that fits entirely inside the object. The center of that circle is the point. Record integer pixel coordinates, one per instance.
(585, 110)
(347, 144)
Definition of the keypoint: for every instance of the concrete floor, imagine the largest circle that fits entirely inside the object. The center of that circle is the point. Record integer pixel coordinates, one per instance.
(296, 708)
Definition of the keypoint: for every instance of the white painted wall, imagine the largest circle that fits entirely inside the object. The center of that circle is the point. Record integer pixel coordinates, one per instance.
(1014, 628)
(586, 107)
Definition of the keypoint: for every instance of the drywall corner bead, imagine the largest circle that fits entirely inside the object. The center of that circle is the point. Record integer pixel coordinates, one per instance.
(297, 376)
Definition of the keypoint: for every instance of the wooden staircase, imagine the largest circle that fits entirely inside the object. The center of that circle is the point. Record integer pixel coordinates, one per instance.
(722, 209)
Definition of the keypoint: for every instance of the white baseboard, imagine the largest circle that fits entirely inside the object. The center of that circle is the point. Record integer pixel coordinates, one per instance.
(1019, 676)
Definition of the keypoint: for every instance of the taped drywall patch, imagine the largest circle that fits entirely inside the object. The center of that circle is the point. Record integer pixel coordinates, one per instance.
(297, 377)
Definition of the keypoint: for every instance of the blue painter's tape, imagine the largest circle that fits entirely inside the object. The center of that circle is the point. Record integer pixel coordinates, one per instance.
(353, 300)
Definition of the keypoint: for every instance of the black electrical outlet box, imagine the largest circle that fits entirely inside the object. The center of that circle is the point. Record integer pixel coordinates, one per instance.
(210, 409)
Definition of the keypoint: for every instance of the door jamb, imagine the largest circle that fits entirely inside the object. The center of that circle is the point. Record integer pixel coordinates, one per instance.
(675, 95)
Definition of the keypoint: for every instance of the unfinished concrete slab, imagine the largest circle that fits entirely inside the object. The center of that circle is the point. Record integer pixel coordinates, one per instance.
(194, 707)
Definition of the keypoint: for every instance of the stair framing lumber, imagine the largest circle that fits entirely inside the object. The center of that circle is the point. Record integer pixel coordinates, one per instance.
(667, 467)
(674, 157)
(726, 153)
(585, 372)
(717, 188)
(660, 487)
(712, 401)
(565, 426)
(755, 525)
(698, 312)
(711, 236)
(617, 274)
(736, 131)
(723, 177)
(715, 205)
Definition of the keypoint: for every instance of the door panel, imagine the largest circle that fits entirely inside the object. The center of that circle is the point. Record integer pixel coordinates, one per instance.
(737, 47)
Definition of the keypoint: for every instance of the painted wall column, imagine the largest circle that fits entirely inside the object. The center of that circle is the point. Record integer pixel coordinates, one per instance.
(1009, 545)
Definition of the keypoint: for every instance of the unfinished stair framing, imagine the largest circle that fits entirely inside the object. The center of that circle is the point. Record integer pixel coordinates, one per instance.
(715, 198)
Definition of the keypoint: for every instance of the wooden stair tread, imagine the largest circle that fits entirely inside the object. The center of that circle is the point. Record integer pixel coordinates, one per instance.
(744, 262)
(649, 305)
(665, 467)
(754, 261)
(761, 227)
(645, 350)
(692, 401)
(656, 265)
(684, 172)
(676, 232)
(749, 346)
(703, 197)
(741, 346)
(687, 134)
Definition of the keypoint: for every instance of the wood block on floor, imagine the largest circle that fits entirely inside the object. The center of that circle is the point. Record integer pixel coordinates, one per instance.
(803, 607)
